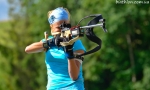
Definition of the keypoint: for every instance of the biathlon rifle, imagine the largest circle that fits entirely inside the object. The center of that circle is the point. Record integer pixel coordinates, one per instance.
(75, 32)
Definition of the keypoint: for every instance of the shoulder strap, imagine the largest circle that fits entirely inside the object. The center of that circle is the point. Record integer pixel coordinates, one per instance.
(92, 37)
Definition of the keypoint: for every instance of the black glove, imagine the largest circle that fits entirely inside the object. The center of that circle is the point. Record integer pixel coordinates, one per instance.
(48, 43)
(68, 49)
(55, 41)
(51, 42)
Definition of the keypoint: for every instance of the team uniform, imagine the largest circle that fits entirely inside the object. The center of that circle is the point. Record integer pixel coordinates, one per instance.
(57, 69)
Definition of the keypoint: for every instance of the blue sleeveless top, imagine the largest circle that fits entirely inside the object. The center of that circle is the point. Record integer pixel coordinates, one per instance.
(57, 69)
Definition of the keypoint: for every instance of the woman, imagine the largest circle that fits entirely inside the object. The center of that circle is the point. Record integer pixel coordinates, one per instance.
(63, 69)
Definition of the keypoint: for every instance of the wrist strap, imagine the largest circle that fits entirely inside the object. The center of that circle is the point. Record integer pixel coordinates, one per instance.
(69, 55)
(45, 45)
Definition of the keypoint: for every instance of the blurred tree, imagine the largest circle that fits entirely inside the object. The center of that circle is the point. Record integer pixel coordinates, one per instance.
(119, 62)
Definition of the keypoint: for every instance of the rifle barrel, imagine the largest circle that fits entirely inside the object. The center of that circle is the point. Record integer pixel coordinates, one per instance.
(90, 26)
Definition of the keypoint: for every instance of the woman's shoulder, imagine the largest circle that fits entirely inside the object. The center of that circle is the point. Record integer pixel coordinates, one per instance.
(79, 46)
(50, 37)
(78, 41)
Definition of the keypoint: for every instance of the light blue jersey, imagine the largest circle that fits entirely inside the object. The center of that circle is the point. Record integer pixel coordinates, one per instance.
(57, 69)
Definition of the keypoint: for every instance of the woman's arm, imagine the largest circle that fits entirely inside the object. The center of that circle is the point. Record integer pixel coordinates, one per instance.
(74, 66)
(35, 47)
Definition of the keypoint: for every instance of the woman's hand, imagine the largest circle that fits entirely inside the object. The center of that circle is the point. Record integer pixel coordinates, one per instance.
(74, 66)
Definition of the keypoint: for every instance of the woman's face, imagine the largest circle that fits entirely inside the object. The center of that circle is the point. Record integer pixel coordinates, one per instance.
(55, 27)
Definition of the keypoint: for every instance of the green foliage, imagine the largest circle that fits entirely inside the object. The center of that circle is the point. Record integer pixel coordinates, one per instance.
(121, 64)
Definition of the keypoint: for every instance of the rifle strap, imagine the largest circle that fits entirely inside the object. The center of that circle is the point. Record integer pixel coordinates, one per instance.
(92, 37)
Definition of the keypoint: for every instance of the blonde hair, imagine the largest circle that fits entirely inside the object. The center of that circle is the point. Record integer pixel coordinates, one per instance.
(49, 13)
